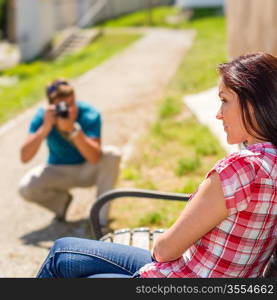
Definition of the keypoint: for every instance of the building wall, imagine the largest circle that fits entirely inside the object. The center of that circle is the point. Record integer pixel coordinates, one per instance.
(28, 40)
(83, 7)
(251, 26)
(36, 21)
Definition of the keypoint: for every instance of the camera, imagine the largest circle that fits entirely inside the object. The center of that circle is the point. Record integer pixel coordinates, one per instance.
(61, 110)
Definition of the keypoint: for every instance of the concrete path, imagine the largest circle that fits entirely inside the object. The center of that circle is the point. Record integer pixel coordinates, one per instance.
(124, 89)
(204, 106)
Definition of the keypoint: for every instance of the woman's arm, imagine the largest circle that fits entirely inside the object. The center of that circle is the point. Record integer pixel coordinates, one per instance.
(202, 213)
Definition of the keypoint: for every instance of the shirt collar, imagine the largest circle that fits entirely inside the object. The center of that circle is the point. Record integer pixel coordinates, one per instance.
(265, 146)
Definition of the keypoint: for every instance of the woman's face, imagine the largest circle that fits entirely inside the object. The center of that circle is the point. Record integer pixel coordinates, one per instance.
(231, 115)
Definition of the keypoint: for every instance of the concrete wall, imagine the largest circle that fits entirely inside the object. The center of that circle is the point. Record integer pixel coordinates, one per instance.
(36, 21)
(251, 26)
(31, 30)
(66, 13)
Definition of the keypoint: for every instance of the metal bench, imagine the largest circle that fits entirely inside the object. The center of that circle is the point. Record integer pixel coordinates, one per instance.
(144, 237)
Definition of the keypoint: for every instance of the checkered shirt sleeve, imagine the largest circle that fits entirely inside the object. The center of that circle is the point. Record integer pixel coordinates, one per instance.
(237, 175)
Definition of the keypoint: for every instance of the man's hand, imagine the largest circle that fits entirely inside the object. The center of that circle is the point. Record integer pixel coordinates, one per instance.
(67, 124)
(49, 119)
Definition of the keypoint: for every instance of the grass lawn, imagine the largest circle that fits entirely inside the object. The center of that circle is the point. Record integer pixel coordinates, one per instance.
(178, 151)
(32, 77)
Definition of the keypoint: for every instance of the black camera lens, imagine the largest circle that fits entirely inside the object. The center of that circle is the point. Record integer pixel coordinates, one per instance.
(62, 110)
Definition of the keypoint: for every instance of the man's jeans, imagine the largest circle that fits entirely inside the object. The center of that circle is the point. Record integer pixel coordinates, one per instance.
(83, 258)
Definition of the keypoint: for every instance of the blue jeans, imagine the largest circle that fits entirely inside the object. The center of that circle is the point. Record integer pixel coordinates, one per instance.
(83, 258)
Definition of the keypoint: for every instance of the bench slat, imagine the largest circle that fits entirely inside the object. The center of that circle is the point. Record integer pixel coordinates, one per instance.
(122, 236)
(107, 238)
(141, 238)
(156, 233)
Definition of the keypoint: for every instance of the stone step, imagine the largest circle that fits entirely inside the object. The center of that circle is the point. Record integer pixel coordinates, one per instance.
(73, 41)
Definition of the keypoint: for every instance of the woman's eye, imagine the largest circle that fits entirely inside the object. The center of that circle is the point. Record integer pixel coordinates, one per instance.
(223, 100)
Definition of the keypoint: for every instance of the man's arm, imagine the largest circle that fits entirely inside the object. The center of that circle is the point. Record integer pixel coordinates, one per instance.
(90, 148)
(32, 144)
(34, 140)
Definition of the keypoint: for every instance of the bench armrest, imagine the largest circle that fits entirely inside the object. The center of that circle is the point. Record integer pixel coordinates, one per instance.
(127, 192)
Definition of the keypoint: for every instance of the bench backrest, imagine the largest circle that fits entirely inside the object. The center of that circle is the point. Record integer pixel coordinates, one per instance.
(271, 267)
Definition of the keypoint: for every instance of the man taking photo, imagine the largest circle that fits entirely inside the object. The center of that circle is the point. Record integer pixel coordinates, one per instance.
(72, 130)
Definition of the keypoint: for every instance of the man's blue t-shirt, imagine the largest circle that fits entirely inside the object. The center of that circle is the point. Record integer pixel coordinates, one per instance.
(62, 151)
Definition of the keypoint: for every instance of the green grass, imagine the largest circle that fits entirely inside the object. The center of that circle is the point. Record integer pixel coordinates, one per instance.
(209, 50)
(32, 77)
(187, 165)
(178, 151)
(163, 16)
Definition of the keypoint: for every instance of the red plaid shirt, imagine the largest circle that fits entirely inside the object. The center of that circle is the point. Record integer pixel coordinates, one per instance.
(241, 245)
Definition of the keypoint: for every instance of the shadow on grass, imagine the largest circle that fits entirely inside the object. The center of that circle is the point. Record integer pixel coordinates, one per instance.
(200, 13)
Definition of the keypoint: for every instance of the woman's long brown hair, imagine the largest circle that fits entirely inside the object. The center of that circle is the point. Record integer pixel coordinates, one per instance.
(253, 77)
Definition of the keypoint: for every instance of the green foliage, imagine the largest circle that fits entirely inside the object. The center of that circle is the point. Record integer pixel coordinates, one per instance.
(153, 218)
(186, 165)
(146, 183)
(170, 107)
(198, 71)
(190, 186)
(141, 18)
(209, 145)
(130, 174)
(206, 12)
(26, 70)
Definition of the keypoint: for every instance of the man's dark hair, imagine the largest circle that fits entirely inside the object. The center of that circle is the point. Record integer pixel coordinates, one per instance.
(59, 88)
(253, 77)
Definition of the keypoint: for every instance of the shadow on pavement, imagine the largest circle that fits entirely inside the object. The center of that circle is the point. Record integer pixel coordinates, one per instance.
(44, 237)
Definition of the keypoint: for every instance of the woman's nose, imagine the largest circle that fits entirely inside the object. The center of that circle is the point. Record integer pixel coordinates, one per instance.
(219, 115)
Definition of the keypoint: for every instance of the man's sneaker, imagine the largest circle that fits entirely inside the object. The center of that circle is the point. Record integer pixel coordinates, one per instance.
(61, 218)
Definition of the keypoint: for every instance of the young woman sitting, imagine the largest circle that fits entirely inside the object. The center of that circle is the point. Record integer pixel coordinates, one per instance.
(229, 226)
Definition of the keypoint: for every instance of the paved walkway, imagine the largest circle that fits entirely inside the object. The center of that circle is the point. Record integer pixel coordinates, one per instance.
(124, 89)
